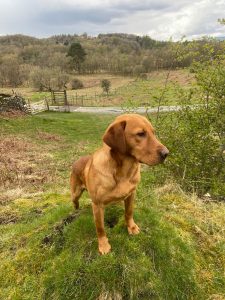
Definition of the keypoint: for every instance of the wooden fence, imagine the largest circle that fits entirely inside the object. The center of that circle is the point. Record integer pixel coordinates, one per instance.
(37, 107)
(61, 98)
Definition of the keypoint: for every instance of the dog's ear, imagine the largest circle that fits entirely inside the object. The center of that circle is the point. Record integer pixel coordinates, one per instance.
(115, 137)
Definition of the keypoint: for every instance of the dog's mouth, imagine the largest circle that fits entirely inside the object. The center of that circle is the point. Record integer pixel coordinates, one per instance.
(152, 163)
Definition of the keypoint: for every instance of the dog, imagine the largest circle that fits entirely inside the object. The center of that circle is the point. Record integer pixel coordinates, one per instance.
(111, 174)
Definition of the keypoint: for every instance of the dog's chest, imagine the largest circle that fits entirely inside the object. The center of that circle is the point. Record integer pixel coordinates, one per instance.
(130, 173)
(107, 181)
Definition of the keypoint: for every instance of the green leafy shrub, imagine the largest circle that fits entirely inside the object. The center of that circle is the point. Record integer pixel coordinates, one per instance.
(195, 134)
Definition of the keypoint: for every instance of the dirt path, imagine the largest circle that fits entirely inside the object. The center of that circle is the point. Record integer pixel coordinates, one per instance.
(113, 110)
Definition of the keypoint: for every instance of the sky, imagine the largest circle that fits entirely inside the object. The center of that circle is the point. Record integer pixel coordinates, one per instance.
(160, 19)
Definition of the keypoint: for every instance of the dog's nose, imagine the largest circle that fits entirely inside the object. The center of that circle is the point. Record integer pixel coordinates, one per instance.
(164, 153)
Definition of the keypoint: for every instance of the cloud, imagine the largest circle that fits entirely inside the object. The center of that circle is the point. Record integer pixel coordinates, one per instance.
(66, 17)
(195, 20)
(161, 19)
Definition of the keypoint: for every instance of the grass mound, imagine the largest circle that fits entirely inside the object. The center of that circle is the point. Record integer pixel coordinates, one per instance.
(52, 254)
(49, 251)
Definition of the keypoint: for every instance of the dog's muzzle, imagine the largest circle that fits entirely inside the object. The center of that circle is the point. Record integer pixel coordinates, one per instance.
(163, 153)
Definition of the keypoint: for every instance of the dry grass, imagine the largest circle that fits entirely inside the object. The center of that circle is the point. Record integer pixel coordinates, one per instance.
(182, 77)
(36, 152)
(92, 85)
(94, 81)
(48, 136)
(200, 223)
(12, 114)
(110, 296)
(23, 165)
(21, 91)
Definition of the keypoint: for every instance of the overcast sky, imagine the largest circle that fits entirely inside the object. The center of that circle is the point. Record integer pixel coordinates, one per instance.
(160, 19)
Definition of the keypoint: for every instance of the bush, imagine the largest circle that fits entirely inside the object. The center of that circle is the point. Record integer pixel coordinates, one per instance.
(196, 157)
(76, 84)
(105, 84)
(143, 76)
(195, 135)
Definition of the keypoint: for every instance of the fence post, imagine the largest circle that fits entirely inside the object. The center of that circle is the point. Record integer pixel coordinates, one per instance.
(65, 98)
(46, 102)
(29, 106)
(53, 96)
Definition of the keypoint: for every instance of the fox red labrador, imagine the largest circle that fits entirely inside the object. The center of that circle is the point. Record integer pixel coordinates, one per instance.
(112, 173)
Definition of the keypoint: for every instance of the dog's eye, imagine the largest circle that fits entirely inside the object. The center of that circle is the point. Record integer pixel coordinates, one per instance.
(141, 134)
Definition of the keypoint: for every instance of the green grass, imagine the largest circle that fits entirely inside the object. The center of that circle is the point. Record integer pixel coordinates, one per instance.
(49, 251)
(36, 96)
(148, 92)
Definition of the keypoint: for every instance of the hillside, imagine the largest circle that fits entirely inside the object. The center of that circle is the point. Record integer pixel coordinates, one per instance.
(123, 54)
(49, 250)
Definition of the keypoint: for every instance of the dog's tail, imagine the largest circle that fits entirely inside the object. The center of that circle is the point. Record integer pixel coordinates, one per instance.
(77, 182)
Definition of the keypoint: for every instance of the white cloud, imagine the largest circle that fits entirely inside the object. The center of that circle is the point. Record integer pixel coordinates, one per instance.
(161, 19)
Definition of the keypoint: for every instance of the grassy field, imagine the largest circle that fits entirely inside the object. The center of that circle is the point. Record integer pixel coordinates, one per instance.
(92, 87)
(125, 91)
(148, 92)
(49, 251)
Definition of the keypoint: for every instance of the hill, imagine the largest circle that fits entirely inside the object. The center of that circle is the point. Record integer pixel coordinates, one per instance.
(48, 250)
(123, 54)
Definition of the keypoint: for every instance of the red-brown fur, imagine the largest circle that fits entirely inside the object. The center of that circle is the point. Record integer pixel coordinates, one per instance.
(111, 174)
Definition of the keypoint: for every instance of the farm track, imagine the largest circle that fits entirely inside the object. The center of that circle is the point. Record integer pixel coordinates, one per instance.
(115, 110)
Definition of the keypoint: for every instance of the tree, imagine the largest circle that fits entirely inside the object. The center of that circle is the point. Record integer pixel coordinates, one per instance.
(46, 79)
(77, 53)
(10, 69)
(105, 84)
(221, 21)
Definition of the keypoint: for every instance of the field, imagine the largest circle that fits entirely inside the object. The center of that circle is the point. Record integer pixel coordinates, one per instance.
(125, 91)
(49, 251)
(92, 86)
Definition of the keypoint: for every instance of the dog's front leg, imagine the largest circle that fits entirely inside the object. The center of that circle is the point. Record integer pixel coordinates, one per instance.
(129, 208)
(103, 244)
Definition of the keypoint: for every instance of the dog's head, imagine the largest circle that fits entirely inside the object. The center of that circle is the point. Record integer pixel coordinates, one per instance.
(132, 134)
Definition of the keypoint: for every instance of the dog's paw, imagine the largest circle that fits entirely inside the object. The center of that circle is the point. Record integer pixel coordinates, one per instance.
(103, 246)
(133, 229)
